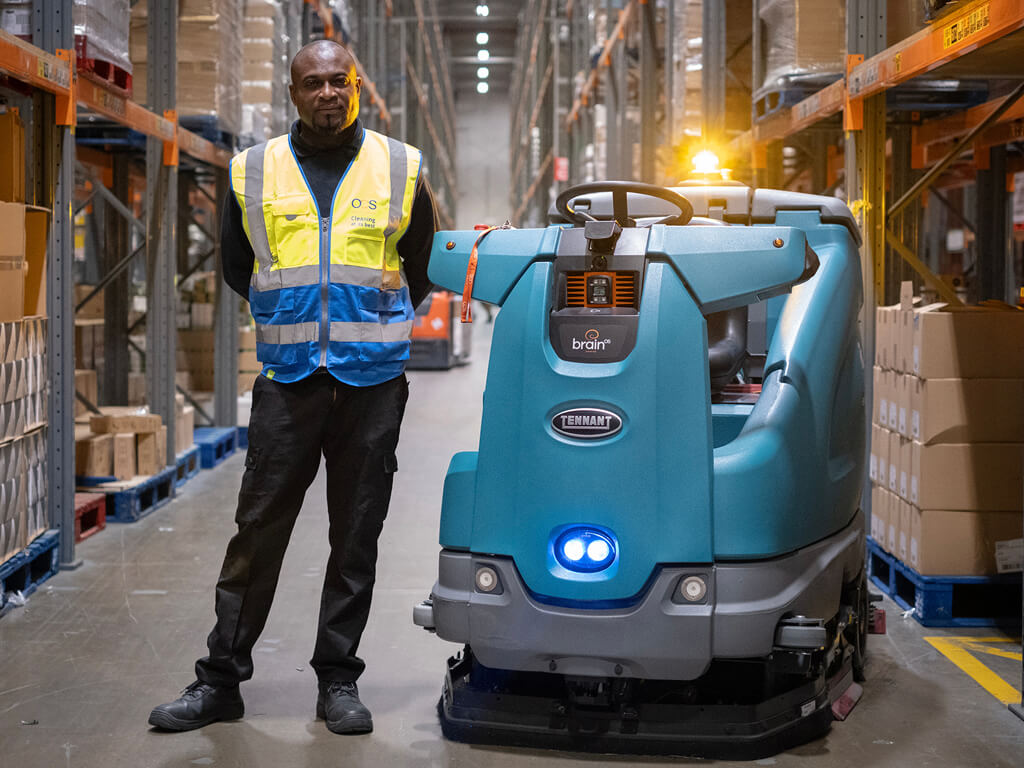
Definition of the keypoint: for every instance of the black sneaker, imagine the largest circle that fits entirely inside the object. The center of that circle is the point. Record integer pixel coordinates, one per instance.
(339, 705)
(199, 704)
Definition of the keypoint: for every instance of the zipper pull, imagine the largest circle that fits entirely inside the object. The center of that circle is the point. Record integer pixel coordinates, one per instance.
(324, 223)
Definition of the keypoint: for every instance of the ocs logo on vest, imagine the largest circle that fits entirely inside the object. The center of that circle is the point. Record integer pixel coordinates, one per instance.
(371, 205)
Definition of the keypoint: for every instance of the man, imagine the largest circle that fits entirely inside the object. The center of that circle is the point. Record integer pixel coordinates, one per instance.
(328, 233)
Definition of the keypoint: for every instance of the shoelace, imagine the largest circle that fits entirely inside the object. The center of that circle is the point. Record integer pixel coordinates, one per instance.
(342, 688)
(195, 690)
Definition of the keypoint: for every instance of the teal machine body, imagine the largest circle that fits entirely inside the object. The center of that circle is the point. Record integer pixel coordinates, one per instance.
(666, 492)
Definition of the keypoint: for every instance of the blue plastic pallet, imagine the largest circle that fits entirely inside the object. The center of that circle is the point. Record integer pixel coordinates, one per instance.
(947, 601)
(31, 567)
(126, 505)
(186, 466)
(215, 444)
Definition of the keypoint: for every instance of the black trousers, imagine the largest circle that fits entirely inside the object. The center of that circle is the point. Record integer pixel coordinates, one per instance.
(356, 431)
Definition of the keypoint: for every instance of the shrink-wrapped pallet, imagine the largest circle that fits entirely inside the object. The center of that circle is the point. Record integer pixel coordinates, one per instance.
(102, 31)
(209, 51)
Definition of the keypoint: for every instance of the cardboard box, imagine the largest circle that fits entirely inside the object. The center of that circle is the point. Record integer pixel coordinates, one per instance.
(892, 531)
(12, 224)
(893, 483)
(967, 342)
(125, 420)
(161, 449)
(879, 515)
(146, 462)
(11, 341)
(86, 383)
(904, 388)
(136, 389)
(124, 456)
(905, 465)
(958, 543)
(202, 315)
(967, 476)
(878, 436)
(967, 410)
(882, 387)
(12, 289)
(94, 455)
(885, 334)
(12, 156)
(37, 227)
(903, 546)
(93, 310)
(89, 348)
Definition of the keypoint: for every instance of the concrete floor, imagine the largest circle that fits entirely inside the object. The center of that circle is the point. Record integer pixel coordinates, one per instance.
(84, 661)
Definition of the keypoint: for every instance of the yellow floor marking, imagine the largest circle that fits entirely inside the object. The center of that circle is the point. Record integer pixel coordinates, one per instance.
(979, 648)
(953, 648)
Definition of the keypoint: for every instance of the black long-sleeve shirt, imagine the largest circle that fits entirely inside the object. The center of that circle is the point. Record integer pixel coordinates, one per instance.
(323, 169)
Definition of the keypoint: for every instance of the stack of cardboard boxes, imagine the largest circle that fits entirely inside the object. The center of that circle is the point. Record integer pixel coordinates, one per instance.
(23, 358)
(122, 442)
(947, 447)
(209, 51)
(196, 353)
(265, 73)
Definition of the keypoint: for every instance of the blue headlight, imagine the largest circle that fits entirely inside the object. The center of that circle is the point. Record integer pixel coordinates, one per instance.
(585, 549)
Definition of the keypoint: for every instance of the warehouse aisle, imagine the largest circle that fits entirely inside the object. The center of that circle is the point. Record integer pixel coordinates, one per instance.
(92, 652)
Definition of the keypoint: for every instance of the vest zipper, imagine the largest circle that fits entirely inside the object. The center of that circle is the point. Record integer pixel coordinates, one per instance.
(325, 255)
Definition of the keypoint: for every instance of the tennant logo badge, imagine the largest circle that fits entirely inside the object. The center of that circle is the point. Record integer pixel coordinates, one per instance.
(586, 423)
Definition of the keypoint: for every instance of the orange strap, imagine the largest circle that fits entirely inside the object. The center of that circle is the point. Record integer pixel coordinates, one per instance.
(467, 290)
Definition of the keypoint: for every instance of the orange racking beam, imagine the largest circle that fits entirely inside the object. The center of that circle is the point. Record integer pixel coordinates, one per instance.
(24, 62)
(604, 60)
(956, 125)
(816, 107)
(975, 25)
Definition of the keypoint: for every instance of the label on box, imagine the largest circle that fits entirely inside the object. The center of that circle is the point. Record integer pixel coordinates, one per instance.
(883, 412)
(1010, 555)
(915, 424)
(913, 552)
(917, 359)
(913, 489)
(891, 538)
(893, 418)
(883, 471)
(892, 477)
(903, 484)
(903, 421)
(903, 545)
(873, 468)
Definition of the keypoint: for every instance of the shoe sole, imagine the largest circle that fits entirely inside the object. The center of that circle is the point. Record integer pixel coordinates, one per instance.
(168, 722)
(353, 724)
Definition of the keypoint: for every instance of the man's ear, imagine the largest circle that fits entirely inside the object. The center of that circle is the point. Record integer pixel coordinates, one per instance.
(359, 84)
(291, 93)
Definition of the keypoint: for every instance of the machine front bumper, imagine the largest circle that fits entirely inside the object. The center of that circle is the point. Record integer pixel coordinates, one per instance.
(655, 637)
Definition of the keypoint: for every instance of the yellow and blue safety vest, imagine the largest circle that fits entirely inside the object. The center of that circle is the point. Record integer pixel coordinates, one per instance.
(328, 288)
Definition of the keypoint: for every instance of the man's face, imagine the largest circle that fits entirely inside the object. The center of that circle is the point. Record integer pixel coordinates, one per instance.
(325, 89)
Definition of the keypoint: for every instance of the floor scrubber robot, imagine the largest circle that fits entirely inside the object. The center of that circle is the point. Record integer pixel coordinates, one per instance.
(658, 546)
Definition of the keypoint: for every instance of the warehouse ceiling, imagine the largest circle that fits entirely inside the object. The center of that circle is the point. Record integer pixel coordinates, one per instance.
(461, 25)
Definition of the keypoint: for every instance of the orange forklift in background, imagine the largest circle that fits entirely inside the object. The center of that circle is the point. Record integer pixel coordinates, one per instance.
(439, 340)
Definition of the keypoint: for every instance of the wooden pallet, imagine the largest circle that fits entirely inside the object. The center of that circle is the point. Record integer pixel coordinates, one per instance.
(90, 515)
(31, 567)
(947, 601)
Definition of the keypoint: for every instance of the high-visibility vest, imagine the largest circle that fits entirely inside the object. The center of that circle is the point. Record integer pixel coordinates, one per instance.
(328, 288)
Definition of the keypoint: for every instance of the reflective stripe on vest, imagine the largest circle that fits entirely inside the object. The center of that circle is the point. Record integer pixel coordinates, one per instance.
(297, 248)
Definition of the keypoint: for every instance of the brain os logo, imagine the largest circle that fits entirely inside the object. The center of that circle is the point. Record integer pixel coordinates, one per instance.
(591, 342)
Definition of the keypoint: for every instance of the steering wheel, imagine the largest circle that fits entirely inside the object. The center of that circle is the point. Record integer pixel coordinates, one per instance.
(620, 203)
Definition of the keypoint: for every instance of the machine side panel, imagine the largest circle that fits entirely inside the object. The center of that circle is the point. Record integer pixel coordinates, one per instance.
(782, 484)
(650, 483)
(457, 502)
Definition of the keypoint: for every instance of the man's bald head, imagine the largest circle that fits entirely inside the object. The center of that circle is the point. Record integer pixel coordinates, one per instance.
(321, 51)
(325, 88)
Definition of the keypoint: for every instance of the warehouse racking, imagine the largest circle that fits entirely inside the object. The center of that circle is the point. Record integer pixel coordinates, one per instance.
(66, 106)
